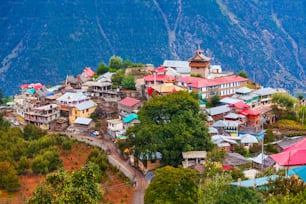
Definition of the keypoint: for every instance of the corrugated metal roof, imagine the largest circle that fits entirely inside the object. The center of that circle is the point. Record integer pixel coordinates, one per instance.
(86, 105)
(83, 121)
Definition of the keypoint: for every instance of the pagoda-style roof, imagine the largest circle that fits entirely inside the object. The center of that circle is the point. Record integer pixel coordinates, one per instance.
(199, 57)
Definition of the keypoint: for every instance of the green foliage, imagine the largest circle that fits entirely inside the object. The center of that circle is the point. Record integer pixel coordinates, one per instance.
(99, 158)
(269, 136)
(46, 161)
(216, 155)
(282, 185)
(23, 164)
(129, 82)
(69, 187)
(41, 194)
(115, 62)
(32, 132)
(214, 187)
(170, 124)
(8, 177)
(284, 106)
(215, 100)
(236, 174)
(243, 74)
(67, 144)
(118, 77)
(240, 195)
(102, 68)
(288, 198)
(285, 124)
(173, 185)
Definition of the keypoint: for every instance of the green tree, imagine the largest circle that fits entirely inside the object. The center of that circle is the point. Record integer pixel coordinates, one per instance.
(118, 77)
(173, 185)
(215, 100)
(8, 177)
(115, 62)
(170, 124)
(102, 68)
(129, 82)
(240, 195)
(269, 136)
(32, 132)
(214, 187)
(284, 106)
(23, 164)
(243, 74)
(68, 187)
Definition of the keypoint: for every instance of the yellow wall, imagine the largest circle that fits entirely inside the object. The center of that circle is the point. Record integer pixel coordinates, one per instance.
(76, 113)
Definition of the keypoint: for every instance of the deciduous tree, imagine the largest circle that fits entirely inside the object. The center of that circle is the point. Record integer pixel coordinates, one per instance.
(173, 185)
(170, 124)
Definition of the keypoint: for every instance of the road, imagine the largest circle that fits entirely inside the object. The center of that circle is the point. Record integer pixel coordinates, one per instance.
(109, 146)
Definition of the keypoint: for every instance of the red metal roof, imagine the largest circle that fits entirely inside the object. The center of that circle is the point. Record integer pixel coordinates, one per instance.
(200, 82)
(129, 101)
(240, 105)
(160, 69)
(163, 78)
(294, 157)
(249, 112)
(299, 145)
(36, 86)
(88, 72)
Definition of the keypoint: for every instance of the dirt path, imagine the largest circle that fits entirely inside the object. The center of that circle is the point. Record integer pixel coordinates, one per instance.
(141, 183)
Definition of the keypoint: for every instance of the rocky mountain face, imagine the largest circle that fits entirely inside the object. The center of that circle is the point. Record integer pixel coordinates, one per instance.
(43, 41)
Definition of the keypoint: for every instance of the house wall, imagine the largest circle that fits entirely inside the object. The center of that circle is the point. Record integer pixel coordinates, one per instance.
(128, 109)
(76, 113)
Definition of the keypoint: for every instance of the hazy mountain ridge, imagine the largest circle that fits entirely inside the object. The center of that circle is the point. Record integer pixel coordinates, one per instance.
(46, 40)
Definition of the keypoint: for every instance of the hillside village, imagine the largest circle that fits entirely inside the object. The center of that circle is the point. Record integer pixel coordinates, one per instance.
(87, 105)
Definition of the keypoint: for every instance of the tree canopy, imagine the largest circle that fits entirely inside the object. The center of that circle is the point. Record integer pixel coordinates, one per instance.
(242, 74)
(68, 187)
(283, 106)
(170, 124)
(173, 185)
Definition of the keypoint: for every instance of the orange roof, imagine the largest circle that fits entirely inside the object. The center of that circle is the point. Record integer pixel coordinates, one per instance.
(129, 101)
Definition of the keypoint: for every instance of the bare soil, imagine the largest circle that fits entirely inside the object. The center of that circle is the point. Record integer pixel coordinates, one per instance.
(115, 189)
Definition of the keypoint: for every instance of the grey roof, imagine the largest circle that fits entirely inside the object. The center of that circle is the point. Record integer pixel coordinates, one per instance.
(225, 123)
(260, 158)
(245, 97)
(229, 100)
(179, 66)
(235, 159)
(288, 141)
(147, 156)
(212, 130)
(265, 91)
(218, 139)
(70, 97)
(218, 110)
(234, 116)
(194, 154)
(83, 121)
(243, 90)
(248, 139)
(86, 105)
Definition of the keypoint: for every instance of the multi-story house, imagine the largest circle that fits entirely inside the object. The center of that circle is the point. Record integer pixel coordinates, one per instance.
(22, 104)
(103, 89)
(223, 86)
(42, 116)
(82, 110)
(74, 105)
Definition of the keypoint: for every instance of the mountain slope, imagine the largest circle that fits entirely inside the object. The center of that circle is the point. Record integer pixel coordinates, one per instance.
(43, 41)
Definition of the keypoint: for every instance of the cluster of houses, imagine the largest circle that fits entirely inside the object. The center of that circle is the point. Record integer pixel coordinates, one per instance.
(238, 119)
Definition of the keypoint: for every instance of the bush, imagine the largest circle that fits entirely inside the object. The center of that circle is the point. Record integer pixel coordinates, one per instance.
(67, 144)
(8, 177)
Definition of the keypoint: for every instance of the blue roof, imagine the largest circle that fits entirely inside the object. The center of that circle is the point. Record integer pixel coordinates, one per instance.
(300, 171)
(258, 181)
(130, 118)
